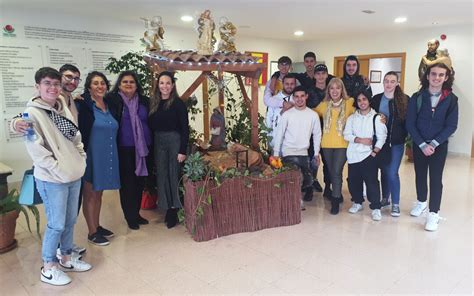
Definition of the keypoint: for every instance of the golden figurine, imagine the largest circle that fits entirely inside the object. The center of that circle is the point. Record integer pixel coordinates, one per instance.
(206, 41)
(153, 36)
(227, 30)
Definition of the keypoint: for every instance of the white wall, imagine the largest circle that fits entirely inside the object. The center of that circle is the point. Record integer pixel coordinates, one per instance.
(14, 153)
(459, 43)
(384, 65)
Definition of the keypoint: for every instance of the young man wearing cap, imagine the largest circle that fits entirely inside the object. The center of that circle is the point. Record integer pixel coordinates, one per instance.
(295, 129)
(278, 104)
(353, 81)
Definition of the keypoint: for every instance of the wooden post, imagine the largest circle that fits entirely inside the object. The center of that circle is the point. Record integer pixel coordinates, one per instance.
(205, 109)
(254, 114)
(220, 77)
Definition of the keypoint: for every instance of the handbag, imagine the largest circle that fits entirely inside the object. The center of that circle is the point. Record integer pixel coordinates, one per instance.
(29, 194)
(384, 156)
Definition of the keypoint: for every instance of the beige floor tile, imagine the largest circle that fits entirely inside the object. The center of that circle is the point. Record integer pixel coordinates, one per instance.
(300, 282)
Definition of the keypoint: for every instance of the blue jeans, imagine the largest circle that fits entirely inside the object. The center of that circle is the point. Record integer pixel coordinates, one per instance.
(61, 201)
(390, 178)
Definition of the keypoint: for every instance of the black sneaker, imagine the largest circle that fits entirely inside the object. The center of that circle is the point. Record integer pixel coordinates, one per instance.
(142, 221)
(105, 232)
(133, 225)
(98, 239)
(334, 206)
(317, 187)
(384, 202)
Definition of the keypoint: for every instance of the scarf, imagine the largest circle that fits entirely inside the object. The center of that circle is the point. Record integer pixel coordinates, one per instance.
(141, 150)
(64, 125)
(340, 119)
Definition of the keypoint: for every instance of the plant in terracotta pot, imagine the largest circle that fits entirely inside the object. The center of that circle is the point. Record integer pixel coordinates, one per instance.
(409, 148)
(10, 209)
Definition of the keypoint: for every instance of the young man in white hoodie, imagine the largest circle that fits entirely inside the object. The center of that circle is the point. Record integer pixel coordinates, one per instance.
(59, 159)
(294, 131)
(278, 104)
(361, 127)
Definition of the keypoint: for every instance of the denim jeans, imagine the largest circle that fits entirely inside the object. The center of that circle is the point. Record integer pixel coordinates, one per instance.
(390, 178)
(61, 201)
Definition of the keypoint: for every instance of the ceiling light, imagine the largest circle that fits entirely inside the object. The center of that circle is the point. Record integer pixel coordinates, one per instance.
(435, 23)
(400, 19)
(187, 18)
(368, 11)
(298, 33)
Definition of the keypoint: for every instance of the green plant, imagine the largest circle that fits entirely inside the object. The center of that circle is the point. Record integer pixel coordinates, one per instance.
(409, 142)
(11, 203)
(133, 61)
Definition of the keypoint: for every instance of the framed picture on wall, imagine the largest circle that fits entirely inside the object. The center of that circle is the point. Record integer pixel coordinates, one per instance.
(375, 76)
(262, 57)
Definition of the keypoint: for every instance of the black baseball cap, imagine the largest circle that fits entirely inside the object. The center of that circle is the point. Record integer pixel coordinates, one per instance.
(284, 60)
(320, 68)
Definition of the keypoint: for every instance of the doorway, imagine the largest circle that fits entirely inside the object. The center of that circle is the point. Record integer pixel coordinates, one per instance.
(374, 67)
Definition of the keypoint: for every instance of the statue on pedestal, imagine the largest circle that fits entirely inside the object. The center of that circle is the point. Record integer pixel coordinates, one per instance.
(206, 41)
(227, 30)
(433, 56)
(153, 36)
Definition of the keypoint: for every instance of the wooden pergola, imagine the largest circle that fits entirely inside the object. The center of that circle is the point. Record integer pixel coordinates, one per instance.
(235, 63)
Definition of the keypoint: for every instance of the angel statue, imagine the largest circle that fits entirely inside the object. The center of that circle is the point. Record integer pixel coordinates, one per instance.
(227, 30)
(153, 36)
(206, 40)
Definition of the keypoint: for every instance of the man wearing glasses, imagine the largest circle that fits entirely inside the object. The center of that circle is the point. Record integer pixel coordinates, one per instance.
(70, 79)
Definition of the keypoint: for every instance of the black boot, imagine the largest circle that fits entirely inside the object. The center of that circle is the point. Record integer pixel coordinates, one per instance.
(308, 194)
(167, 216)
(317, 187)
(172, 219)
(334, 205)
(327, 191)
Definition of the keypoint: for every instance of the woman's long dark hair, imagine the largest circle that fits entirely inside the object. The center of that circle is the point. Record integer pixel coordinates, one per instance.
(448, 84)
(90, 76)
(401, 99)
(156, 98)
(116, 89)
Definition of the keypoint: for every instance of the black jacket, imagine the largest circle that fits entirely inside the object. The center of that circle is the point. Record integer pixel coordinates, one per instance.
(396, 130)
(85, 117)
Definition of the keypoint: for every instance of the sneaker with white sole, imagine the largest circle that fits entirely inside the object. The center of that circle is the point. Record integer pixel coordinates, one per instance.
(78, 249)
(355, 208)
(75, 265)
(395, 212)
(419, 208)
(432, 221)
(303, 208)
(376, 215)
(54, 276)
(74, 255)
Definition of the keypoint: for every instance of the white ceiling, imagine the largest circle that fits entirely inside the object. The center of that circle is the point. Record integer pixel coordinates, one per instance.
(273, 19)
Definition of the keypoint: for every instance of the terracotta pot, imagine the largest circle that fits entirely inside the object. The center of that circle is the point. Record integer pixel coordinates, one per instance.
(7, 231)
(409, 153)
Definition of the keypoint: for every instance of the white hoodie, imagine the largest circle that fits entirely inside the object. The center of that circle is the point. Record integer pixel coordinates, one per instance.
(56, 159)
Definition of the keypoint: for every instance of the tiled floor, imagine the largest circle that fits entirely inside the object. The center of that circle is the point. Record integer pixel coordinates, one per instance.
(343, 254)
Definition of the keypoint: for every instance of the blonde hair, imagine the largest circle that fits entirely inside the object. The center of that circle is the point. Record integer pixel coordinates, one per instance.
(338, 82)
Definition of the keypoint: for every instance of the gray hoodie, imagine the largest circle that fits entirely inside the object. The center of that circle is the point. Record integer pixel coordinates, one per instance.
(56, 159)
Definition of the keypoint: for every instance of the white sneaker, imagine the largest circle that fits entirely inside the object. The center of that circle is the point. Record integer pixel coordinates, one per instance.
(376, 215)
(54, 276)
(75, 265)
(355, 208)
(419, 208)
(74, 255)
(432, 221)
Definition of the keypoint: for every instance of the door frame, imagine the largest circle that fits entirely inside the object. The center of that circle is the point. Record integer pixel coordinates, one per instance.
(401, 55)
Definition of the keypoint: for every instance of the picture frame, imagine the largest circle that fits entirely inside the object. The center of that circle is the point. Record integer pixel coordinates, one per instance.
(375, 76)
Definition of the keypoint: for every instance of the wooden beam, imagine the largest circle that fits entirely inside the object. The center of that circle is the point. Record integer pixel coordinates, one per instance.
(193, 86)
(244, 92)
(205, 110)
(254, 115)
(220, 77)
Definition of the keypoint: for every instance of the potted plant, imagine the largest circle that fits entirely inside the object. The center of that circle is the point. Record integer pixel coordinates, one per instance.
(10, 209)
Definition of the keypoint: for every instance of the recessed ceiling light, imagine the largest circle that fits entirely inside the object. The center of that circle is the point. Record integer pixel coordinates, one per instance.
(187, 18)
(368, 11)
(298, 33)
(400, 19)
(434, 23)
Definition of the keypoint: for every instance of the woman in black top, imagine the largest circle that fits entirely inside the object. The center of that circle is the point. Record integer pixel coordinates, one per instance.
(169, 122)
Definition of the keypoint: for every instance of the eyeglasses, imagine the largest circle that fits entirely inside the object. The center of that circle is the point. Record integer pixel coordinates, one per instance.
(70, 78)
(49, 84)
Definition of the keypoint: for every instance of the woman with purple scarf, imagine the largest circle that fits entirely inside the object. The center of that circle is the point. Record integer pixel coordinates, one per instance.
(129, 107)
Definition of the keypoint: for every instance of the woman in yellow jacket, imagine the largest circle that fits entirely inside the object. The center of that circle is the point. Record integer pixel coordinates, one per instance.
(334, 110)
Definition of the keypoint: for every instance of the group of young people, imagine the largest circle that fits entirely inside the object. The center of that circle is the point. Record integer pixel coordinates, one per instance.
(105, 139)
(314, 117)
(112, 139)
